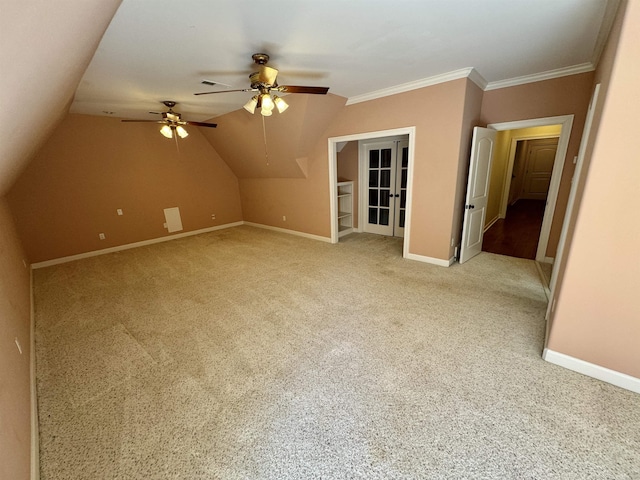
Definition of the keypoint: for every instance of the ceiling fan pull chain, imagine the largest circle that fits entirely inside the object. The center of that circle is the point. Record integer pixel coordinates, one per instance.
(264, 134)
(175, 137)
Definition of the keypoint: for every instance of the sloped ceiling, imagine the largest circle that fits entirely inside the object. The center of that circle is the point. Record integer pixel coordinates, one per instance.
(163, 49)
(240, 137)
(45, 48)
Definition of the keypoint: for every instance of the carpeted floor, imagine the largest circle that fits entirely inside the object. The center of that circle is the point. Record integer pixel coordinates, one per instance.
(250, 354)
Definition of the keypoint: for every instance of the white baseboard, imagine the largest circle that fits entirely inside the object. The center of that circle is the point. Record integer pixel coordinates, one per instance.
(35, 428)
(591, 370)
(549, 260)
(490, 224)
(291, 232)
(431, 260)
(95, 253)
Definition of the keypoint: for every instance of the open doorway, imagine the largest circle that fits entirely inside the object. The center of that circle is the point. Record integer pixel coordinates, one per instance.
(502, 173)
(337, 145)
(529, 155)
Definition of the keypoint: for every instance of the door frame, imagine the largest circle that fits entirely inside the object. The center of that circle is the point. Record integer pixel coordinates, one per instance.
(566, 122)
(333, 176)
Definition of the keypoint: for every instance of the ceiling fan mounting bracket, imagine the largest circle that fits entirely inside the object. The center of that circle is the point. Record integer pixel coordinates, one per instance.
(260, 58)
(169, 103)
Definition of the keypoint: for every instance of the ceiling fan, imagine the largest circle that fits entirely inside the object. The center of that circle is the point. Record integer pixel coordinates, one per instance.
(172, 122)
(264, 81)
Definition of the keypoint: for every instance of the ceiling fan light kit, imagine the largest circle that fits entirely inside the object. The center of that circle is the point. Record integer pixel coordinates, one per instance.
(172, 123)
(263, 82)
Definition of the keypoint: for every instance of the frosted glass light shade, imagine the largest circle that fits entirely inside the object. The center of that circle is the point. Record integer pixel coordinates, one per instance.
(166, 131)
(181, 131)
(265, 112)
(267, 102)
(281, 105)
(251, 105)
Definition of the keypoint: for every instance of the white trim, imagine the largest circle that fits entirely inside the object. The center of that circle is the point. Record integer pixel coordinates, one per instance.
(566, 122)
(490, 224)
(550, 260)
(472, 74)
(543, 280)
(95, 253)
(431, 260)
(415, 85)
(35, 429)
(618, 379)
(478, 79)
(290, 232)
(539, 77)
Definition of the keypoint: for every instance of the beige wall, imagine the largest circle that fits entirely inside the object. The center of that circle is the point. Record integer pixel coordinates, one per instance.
(46, 47)
(290, 137)
(42, 62)
(348, 169)
(470, 119)
(14, 367)
(437, 112)
(91, 166)
(597, 310)
(561, 96)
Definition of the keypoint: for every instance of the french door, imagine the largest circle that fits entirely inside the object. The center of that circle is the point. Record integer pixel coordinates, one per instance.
(385, 198)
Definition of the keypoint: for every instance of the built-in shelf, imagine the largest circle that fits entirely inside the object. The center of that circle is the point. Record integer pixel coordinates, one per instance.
(345, 208)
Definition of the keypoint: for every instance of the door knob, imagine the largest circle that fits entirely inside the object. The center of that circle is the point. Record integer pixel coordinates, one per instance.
(469, 207)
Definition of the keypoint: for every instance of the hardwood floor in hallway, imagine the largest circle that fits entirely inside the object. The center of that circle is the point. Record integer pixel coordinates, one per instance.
(516, 235)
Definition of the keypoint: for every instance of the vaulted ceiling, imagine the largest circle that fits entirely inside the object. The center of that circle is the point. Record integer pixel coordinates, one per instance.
(164, 49)
(58, 59)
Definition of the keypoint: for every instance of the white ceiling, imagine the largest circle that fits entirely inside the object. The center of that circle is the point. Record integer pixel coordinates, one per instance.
(162, 49)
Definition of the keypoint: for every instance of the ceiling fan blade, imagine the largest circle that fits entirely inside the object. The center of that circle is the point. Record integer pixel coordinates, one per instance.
(146, 121)
(267, 75)
(202, 124)
(299, 89)
(227, 91)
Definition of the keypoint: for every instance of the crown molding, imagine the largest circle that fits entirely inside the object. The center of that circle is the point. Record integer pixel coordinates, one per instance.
(539, 77)
(478, 79)
(473, 75)
(406, 87)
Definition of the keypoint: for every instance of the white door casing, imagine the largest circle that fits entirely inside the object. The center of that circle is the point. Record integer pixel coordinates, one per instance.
(482, 148)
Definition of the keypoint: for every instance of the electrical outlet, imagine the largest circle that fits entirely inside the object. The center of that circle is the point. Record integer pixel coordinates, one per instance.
(213, 216)
(101, 236)
(119, 211)
(284, 218)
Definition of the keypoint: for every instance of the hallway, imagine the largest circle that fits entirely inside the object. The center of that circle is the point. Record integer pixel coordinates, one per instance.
(516, 235)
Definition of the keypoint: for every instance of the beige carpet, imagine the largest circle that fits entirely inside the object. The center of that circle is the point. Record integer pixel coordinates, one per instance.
(249, 354)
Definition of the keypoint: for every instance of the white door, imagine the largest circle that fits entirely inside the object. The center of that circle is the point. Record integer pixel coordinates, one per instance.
(540, 158)
(482, 148)
(385, 197)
